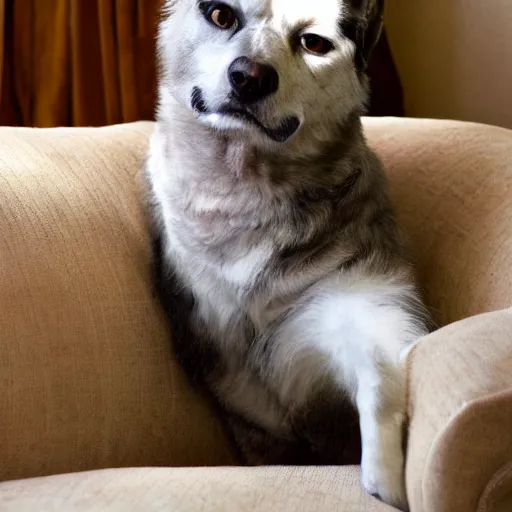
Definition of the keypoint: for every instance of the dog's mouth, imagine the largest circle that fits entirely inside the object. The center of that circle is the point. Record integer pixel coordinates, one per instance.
(286, 129)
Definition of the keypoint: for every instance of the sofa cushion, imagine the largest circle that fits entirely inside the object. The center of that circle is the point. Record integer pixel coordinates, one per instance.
(451, 183)
(86, 368)
(194, 490)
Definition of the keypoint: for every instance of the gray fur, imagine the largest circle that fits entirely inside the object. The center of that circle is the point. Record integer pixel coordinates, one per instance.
(256, 239)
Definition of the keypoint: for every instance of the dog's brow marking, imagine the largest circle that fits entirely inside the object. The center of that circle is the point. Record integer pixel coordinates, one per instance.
(301, 25)
(323, 15)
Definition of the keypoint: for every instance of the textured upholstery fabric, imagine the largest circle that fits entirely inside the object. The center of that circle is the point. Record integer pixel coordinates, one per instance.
(460, 405)
(86, 368)
(87, 375)
(194, 490)
(452, 186)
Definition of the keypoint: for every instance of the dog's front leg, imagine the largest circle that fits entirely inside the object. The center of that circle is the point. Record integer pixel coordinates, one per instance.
(347, 344)
(380, 400)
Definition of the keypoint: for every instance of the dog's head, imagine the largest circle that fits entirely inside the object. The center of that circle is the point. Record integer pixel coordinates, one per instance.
(268, 67)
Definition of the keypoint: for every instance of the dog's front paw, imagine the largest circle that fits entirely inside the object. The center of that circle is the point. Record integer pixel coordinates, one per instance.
(382, 476)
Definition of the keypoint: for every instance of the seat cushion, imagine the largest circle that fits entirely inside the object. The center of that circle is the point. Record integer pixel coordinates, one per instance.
(194, 490)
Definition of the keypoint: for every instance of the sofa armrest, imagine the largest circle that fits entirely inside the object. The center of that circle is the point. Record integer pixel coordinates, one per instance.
(460, 409)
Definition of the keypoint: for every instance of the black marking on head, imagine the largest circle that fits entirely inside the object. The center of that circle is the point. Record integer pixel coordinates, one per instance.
(362, 22)
(197, 101)
(286, 129)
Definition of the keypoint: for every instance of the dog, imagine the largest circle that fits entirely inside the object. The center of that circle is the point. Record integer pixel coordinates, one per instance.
(277, 256)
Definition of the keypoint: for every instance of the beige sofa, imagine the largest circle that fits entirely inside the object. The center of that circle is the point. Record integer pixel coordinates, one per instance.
(87, 375)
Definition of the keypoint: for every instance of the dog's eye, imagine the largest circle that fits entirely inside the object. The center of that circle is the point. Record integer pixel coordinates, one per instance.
(220, 15)
(223, 17)
(315, 44)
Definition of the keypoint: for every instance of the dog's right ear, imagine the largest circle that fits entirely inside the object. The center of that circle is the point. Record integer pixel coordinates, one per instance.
(362, 22)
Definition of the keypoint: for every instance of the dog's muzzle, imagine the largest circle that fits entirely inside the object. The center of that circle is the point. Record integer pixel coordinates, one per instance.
(286, 128)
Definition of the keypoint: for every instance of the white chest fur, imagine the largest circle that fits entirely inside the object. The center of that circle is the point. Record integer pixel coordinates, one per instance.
(212, 248)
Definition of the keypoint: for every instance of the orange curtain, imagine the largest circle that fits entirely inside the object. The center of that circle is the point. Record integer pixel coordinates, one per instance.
(77, 62)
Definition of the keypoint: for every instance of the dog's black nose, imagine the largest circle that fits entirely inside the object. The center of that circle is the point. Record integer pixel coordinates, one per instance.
(252, 81)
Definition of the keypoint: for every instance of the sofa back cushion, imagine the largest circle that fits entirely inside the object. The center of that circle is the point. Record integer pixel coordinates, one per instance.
(86, 369)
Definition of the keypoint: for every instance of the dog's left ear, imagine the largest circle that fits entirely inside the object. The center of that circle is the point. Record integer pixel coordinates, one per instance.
(362, 23)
